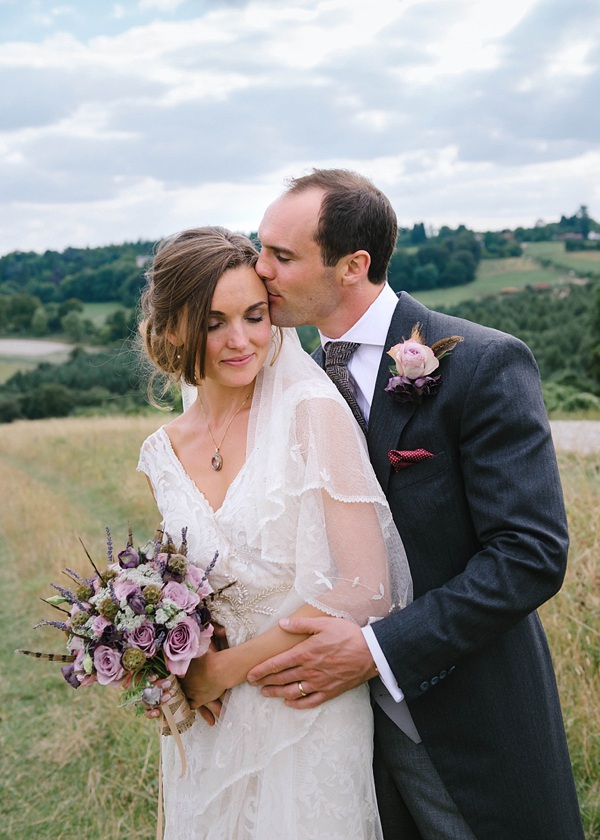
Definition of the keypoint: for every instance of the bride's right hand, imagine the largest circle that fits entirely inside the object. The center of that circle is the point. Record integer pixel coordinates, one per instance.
(209, 713)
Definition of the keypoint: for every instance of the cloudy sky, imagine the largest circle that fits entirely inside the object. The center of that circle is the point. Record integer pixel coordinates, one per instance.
(134, 119)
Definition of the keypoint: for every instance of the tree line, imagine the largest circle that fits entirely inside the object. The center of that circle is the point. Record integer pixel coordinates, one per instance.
(560, 325)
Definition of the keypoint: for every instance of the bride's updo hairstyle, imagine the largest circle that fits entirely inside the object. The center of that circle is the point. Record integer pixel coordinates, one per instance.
(176, 300)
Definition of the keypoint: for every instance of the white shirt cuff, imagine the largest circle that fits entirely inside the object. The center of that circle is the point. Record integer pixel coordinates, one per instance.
(385, 672)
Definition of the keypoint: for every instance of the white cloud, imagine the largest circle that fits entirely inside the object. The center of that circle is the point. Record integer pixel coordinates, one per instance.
(573, 60)
(145, 125)
(161, 5)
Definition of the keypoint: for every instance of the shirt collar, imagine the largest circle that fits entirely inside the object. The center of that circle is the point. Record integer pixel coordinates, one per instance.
(372, 327)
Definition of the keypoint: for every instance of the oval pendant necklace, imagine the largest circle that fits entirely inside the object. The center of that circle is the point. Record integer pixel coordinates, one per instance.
(216, 461)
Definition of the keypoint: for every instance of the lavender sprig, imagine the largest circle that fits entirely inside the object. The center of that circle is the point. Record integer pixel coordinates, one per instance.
(209, 568)
(111, 590)
(109, 546)
(70, 596)
(184, 541)
(59, 624)
(77, 577)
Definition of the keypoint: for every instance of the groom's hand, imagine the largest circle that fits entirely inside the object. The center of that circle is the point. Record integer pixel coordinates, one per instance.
(332, 660)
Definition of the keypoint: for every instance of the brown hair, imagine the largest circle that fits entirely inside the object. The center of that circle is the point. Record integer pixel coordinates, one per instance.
(180, 285)
(355, 216)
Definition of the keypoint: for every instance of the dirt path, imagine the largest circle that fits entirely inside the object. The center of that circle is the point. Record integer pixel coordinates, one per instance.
(30, 347)
(576, 436)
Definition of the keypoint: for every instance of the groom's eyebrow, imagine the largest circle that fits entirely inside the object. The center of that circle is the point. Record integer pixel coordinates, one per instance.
(280, 250)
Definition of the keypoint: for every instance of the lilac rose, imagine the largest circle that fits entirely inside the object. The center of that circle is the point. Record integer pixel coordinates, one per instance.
(107, 662)
(194, 576)
(181, 595)
(184, 643)
(413, 359)
(144, 638)
(124, 588)
(99, 625)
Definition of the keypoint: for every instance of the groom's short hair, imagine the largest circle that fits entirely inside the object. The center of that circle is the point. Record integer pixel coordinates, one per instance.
(355, 216)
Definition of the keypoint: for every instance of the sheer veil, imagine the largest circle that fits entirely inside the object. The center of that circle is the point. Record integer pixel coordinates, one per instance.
(312, 475)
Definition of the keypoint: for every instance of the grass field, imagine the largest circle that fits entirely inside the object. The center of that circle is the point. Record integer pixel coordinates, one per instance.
(577, 261)
(72, 766)
(97, 312)
(492, 277)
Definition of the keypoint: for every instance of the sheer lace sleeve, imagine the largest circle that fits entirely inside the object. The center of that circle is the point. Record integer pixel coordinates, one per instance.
(318, 501)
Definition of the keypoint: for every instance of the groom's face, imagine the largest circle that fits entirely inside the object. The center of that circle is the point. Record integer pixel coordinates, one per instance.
(302, 290)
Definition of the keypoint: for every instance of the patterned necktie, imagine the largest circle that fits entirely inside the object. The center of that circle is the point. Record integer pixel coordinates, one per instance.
(337, 356)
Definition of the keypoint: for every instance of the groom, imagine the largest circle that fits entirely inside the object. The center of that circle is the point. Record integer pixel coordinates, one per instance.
(478, 748)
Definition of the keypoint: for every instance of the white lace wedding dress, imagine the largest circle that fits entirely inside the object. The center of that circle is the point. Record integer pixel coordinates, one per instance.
(303, 522)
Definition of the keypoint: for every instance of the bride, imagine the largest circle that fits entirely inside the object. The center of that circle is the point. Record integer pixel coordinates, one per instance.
(268, 467)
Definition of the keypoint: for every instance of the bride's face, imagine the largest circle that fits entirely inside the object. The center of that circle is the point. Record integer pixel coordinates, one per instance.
(239, 328)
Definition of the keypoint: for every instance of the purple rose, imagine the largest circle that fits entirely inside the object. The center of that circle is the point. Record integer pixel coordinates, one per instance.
(194, 576)
(181, 595)
(124, 588)
(144, 638)
(107, 662)
(183, 644)
(404, 389)
(128, 558)
(99, 625)
(137, 602)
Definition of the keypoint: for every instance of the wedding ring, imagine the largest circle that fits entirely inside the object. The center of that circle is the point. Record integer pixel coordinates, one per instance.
(301, 690)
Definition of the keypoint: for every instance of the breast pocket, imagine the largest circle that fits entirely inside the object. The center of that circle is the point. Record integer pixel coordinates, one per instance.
(416, 473)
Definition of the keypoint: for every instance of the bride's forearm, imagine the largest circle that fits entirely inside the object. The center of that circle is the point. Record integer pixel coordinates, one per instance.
(232, 665)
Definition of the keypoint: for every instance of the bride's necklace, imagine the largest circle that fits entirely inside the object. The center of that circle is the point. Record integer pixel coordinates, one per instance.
(216, 461)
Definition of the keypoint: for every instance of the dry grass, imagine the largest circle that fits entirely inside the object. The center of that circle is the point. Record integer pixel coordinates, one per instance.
(74, 766)
(572, 622)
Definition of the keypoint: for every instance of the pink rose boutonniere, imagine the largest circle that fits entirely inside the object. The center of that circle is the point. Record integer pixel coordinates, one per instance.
(411, 378)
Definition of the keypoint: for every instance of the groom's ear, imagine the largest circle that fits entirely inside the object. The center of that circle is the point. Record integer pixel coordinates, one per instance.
(354, 267)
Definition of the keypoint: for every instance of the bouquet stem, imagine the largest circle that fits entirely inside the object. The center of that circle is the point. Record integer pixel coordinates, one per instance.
(177, 715)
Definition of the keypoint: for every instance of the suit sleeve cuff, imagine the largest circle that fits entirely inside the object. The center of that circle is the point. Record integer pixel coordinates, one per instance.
(385, 672)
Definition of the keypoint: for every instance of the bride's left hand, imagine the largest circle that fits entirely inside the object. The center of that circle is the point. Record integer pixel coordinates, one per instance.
(202, 684)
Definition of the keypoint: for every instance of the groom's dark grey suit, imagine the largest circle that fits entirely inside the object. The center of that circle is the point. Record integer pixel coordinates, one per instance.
(484, 528)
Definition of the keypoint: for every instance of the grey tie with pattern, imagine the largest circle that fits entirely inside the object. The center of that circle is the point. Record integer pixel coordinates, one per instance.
(337, 356)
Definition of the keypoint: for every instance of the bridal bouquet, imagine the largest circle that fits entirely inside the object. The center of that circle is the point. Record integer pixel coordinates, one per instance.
(144, 617)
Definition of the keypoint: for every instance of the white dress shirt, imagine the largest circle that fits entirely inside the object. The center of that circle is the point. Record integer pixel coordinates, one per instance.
(370, 332)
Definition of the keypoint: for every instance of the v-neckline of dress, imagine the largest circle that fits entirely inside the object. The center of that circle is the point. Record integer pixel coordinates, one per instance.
(190, 480)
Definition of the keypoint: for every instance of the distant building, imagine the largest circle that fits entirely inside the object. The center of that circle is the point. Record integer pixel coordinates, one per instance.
(141, 260)
(564, 236)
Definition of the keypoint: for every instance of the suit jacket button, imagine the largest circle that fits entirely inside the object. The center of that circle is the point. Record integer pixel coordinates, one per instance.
(434, 680)
(424, 686)
(443, 674)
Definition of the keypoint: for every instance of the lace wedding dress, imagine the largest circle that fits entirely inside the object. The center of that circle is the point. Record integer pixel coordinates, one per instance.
(304, 521)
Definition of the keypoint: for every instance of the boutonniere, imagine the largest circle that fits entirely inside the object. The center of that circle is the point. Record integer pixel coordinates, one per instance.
(411, 378)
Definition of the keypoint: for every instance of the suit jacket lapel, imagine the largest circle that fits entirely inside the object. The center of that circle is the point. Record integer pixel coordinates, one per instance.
(388, 417)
